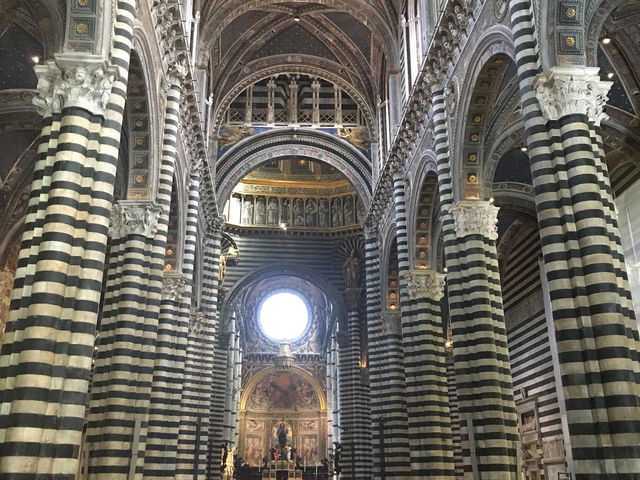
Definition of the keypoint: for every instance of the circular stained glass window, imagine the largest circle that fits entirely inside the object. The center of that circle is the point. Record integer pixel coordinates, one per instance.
(283, 316)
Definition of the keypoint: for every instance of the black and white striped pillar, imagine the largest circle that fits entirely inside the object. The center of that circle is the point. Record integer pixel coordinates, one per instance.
(390, 442)
(166, 391)
(486, 408)
(126, 360)
(46, 356)
(481, 357)
(428, 409)
(192, 439)
(355, 420)
(209, 338)
(428, 413)
(591, 307)
(123, 372)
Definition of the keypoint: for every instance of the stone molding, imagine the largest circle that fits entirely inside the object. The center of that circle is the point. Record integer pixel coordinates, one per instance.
(173, 285)
(134, 218)
(475, 217)
(74, 80)
(424, 284)
(568, 90)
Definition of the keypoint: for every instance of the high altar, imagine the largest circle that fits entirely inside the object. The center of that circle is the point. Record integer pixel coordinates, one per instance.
(282, 417)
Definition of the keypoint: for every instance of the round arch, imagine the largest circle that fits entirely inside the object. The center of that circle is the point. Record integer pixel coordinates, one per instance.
(420, 214)
(248, 388)
(511, 137)
(142, 50)
(235, 164)
(595, 20)
(426, 164)
(388, 243)
(496, 42)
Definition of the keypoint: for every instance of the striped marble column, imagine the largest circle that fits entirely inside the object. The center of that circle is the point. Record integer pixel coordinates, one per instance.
(166, 391)
(424, 357)
(488, 423)
(595, 328)
(123, 371)
(218, 397)
(428, 410)
(355, 420)
(390, 444)
(208, 337)
(192, 444)
(124, 368)
(481, 357)
(161, 448)
(333, 404)
(232, 387)
(47, 350)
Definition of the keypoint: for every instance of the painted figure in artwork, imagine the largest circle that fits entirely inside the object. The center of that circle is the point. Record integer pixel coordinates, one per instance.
(272, 211)
(260, 211)
(282, 435)
(351, 270)
(336, 213)
(298, 213)
(348, 212)
(323, 213)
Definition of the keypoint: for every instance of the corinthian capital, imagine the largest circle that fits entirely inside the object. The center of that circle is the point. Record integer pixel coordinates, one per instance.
(74, 80)
(178, 69)
(173, 286)
(134, 218)
(573, 89)
(391, 321)
(424, 284)
(196, 321)
(475, 217)
(216, 225)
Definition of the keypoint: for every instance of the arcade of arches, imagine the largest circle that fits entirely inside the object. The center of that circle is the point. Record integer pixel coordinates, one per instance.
(286, 239)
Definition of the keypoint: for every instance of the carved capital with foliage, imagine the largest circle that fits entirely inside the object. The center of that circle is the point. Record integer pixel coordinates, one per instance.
(74, 80)
(424, 284)
(173, 286)
(475, 217)
(196, 322)
(568, 90)
(391, 322)
(134, 218)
